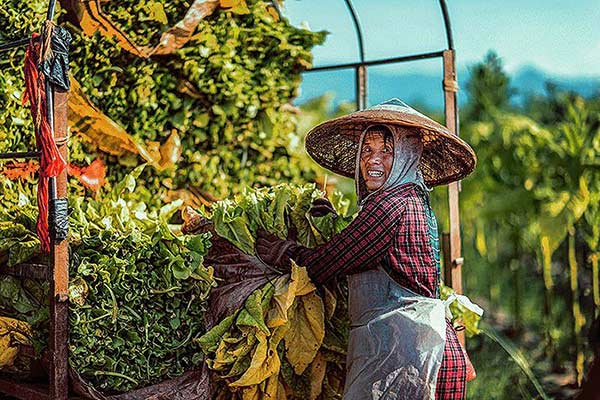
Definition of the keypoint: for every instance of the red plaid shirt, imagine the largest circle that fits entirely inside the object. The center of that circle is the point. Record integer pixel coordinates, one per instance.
(391, 231)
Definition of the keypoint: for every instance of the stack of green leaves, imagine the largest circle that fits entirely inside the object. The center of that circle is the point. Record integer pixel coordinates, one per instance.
(276, 209)
(226, 93)
(137, 290)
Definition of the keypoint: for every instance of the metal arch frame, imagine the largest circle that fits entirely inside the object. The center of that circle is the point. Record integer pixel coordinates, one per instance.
(451, 241)
(361, 95)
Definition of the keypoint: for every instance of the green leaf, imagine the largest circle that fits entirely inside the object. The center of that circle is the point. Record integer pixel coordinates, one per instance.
(211, 339)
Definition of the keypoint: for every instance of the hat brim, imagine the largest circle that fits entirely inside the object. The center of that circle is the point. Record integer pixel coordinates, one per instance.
(446, 157)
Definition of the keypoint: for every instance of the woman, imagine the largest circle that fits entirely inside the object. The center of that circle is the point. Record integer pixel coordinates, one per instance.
(401, 346)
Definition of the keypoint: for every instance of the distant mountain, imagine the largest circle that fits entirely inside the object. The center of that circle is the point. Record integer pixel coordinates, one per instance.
(425, 90)
(530, 80)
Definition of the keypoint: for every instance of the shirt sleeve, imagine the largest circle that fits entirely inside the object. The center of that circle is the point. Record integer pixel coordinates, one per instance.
(361, 246)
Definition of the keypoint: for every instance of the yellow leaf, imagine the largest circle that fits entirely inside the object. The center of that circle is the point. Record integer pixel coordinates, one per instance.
(287, 287)
(12, 333)
(285, 292)
(304, 285)
(274, 390)
(157, 12)
(307, 329)
(8, 354)
(235, 6)
(273, 12)
(251, 393)
(242, 357)
(263, 364)
(316, 376)
(222, 356)
(170, 151)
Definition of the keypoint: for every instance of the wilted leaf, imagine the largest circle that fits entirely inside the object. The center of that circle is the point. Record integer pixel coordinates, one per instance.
(307, 329)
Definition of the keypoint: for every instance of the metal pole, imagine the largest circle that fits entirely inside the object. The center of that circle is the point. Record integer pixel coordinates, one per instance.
(446, 15)
(14, 44)
(360, 71)
(51, 9)
(383, 61)
(20, 154)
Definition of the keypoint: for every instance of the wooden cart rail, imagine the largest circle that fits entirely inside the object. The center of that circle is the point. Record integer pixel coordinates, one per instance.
(57, 271)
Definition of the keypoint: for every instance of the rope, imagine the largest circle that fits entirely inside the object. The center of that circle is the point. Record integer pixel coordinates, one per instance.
(450, 85)
(62, 141)
(51, 161)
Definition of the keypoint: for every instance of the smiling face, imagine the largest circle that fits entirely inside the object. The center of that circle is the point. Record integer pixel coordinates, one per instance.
(376, 157)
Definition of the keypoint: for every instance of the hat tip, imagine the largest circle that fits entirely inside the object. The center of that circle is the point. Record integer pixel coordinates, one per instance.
(395, 101)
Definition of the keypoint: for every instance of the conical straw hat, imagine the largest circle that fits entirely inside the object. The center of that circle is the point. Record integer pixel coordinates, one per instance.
(446, 157)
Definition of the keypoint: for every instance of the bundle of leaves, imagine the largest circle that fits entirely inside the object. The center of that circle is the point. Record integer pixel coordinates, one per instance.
(223, 99)
(287, 339)
(137, 291)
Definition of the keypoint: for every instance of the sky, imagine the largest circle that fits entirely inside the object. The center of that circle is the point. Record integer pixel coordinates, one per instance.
(559, 37)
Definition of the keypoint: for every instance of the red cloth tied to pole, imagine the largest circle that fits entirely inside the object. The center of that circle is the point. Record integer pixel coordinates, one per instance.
(51, 161)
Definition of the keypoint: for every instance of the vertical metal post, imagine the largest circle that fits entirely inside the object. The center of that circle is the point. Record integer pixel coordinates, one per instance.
(453, 270)
(59, 306)
(361, 86)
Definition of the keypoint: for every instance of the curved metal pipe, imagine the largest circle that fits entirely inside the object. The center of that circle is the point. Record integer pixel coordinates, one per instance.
(447, 24)
(357, 28)
(360, 72)
(277, 8)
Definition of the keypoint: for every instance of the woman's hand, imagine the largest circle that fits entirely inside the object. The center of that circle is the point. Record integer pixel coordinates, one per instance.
(321, 207)
(274, 251)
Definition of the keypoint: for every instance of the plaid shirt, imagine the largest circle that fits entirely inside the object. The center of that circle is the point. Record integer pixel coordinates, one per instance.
(391, 231)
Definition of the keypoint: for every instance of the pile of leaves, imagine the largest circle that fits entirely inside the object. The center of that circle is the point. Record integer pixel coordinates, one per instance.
(218, 109)
(137, 290)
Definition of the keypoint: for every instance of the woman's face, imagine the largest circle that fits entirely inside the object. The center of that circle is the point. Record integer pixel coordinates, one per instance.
(376, 160)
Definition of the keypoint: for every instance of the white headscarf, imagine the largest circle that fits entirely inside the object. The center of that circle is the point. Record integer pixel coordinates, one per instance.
(405, 168)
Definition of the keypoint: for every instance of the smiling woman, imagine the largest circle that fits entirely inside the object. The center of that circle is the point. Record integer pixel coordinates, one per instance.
(376, 156)
(400, 345)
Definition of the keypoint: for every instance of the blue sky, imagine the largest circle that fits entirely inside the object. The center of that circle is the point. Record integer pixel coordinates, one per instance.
(559, 37)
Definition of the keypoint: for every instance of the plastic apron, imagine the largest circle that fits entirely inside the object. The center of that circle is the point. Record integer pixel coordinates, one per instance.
(397, 340)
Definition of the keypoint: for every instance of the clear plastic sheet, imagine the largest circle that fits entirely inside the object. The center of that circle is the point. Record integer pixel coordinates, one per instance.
(396, 342)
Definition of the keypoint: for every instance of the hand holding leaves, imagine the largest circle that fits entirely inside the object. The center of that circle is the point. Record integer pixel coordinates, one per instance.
(321, 207)
(274, 251)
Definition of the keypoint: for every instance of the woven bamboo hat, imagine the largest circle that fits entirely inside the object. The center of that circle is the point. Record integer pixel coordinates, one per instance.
(446, 158)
